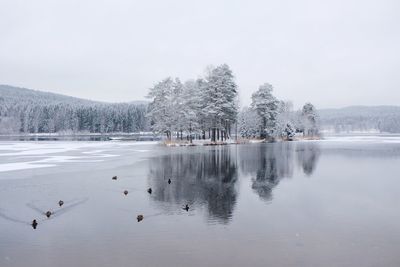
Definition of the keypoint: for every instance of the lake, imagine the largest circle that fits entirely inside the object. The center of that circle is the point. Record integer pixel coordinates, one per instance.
(332, 202)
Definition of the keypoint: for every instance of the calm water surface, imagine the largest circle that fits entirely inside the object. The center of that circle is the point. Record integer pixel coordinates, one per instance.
(316, 203)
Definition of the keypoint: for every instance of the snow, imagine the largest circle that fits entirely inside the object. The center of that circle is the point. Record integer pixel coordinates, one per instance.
(32, 155)
(363, 138)
(22, 166)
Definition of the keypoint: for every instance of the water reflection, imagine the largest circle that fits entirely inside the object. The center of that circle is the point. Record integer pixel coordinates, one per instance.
(307, 156)
(267, 164)
(207, 177)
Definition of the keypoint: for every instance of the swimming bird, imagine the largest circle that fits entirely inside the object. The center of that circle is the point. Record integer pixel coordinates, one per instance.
(186, 207)
(60, 203)
(34, 224)
(125, 192)
(169, 181)
(149, 190)
(115, 178)
(139, 217)
(48, 214)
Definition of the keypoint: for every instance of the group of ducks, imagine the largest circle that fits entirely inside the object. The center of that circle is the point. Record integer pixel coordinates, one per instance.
(140, 217)
(48, 215)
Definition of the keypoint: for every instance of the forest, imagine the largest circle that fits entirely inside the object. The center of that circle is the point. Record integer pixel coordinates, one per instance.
(382, 119)
(28, 111)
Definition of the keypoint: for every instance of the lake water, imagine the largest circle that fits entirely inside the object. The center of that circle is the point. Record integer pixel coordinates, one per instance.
(333, 202)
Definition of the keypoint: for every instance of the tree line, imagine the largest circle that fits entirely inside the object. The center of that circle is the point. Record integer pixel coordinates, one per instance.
(208, 108)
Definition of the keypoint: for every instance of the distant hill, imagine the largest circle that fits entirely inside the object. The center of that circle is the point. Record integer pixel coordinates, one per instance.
(361, 119)
(16, 94)
(30, 111)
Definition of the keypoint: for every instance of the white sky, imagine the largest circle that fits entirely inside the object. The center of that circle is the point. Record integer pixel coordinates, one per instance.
(332, 53)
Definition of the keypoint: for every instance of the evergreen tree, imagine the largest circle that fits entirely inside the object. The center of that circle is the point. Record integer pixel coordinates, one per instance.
(266, 106)
(309, 120)
(161, 109)
(220, 101)
(248, 123)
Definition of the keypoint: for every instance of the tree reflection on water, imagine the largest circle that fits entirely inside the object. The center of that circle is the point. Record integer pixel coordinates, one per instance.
(207, 176)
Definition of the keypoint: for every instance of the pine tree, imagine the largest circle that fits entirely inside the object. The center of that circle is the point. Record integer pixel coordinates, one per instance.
(220, 101)
(266, 106)
(309, 120)
(191, 108)
(248, 123)
(160, 109)
(285, 121)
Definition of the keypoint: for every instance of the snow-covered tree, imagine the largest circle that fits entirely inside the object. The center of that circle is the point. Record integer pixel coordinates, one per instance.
(191, 109)
(309, 120)
(204, 119)
(285, 121)
(266, 106)
(161, 111)
(220, 98)
(248, 123)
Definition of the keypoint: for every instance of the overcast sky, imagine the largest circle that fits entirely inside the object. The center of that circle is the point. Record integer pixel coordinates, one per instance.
(331, 53)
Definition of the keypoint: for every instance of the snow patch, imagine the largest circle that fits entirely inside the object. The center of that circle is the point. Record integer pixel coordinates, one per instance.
(22, 166)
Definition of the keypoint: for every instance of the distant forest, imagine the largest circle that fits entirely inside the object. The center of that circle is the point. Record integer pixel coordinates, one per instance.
(385, 119)
(29, 111)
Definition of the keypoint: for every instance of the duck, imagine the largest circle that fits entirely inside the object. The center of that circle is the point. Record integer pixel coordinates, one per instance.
(60, 203)
(126, 192)
(169, 181)
(114, 177)
(48, 214)
(140, 217)
(34, 224)
(186, 207)
(149, 190)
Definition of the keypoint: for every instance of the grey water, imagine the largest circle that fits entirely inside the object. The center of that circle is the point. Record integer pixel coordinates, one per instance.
(313, 203)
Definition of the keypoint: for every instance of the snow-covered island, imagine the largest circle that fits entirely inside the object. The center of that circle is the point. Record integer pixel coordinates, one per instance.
(207, 110)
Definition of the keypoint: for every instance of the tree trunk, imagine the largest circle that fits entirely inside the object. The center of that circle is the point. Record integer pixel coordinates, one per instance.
(190, 133)
(263, 133)
(213, 135)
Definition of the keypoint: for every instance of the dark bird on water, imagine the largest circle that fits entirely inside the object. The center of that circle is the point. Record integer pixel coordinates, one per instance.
(169, 181)
(60, 203)
(139, 217)
(34, 224)
(115, 178)
(125, 192)
(186, 207)
(149, 190)
(48, 214)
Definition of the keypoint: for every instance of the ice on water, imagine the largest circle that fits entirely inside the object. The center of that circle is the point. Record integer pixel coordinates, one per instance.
(16, 155)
